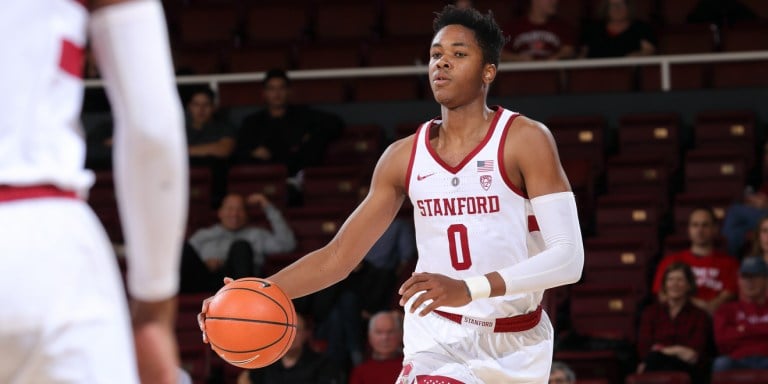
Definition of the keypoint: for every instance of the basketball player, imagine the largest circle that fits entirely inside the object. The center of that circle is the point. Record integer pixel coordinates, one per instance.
(64, 317)
(486, 183)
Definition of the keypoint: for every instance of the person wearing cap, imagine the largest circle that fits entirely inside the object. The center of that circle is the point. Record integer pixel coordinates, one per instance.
(741, 327)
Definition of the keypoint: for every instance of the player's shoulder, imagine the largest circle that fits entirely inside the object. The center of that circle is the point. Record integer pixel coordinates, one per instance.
(524, 129)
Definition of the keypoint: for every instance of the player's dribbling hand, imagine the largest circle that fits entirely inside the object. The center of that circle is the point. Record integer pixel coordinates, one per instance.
(440, 289)
(204, 310)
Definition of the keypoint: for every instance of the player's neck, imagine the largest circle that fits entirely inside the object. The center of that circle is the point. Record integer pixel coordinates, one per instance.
(465, 121)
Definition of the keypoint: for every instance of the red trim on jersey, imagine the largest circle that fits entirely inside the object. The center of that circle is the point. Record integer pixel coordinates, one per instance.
(533, 225)
(71, 60)
(472, 154)
(436, 379)
(13, 193)
(84, 3)
(409, 171)
(502, 168)
(517, 323)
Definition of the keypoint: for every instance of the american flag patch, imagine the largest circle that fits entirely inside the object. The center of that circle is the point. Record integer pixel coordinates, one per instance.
(485, 165)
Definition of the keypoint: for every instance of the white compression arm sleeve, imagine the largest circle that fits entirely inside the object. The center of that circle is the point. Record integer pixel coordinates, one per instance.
(563, 259)
(130, 43)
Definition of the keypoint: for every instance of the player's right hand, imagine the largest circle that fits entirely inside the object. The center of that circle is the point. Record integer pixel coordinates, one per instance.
(204, 311)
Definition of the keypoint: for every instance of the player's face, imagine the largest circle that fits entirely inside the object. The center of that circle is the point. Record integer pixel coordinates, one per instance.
(276, 92)
(457, 74)
(701, 228)
(232, 213)
(384, 337)
(200, 108)
(676, 285)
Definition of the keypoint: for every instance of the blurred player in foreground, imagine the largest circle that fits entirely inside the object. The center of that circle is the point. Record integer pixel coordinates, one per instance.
(496, 224)
(64, 317)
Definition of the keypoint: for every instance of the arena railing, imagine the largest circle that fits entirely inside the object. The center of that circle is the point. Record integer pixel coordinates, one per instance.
(664, 62)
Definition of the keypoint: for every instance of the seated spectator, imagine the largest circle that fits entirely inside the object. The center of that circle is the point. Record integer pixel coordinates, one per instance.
(283, 133)
(741, 327)
(385, 337)
(206, 136)
(300, 365)
(675, 335)
(539, 35)
(742, 217)
(715, 271)
(233, 247)
(561, 373)
(618, 33)
(210, 141)
(760, 240)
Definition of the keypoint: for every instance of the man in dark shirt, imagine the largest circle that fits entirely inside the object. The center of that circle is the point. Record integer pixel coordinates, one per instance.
(285, 134)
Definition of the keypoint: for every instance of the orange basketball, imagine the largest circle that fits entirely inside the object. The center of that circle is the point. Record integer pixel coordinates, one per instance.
(250, 323)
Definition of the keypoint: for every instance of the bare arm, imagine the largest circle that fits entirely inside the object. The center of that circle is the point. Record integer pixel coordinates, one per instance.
(332, 263)
(220, 148)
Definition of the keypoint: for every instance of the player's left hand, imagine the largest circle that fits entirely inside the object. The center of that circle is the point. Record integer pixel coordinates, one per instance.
(440, 289)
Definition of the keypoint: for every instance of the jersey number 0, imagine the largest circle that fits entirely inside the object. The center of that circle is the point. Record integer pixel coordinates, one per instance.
(460, 258)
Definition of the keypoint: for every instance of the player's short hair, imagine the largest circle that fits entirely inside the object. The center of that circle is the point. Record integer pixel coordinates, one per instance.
(277, 73)
(487, 33)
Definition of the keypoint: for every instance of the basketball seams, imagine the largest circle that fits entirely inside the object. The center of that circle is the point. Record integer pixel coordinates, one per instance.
(266, 290)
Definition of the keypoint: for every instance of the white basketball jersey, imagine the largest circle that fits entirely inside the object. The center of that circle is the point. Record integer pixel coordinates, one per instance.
(470, 219)
(40, 75)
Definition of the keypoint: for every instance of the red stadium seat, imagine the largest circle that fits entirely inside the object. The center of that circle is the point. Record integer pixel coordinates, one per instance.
(516, 83)
(676, 12)
(258, 59)
(715, 169)
(275, 24)
(267, 179)
(346, 20)
(410, 19)
(338, 55)
(659, 378)
(742, 376)
(594, 80)
(403, 88)
(656, 134)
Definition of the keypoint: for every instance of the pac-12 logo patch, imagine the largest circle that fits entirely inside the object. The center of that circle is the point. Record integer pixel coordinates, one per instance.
(485, 181)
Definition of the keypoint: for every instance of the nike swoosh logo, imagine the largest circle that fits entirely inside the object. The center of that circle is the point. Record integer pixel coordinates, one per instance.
(420, 177)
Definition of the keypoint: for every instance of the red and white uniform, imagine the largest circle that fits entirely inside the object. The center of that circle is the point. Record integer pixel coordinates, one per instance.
(63, 316)
(471, 220)
(40, 137)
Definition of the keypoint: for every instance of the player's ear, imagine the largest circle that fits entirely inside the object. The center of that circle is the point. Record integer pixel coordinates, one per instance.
(489, 73)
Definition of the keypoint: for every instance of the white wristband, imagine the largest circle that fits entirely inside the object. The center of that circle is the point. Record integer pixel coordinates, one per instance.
(479, 287)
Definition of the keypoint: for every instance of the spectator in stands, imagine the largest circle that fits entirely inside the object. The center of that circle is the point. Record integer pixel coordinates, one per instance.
(300, 365)
(741, 327)
(561, 373)
(760, 240)
(385, 337)
(210, 141)
(675, 335)
(283, 133)
(539, 35)
(715, 271)
(233, 247)
(742, 217)
(618, 32)
(206, 136)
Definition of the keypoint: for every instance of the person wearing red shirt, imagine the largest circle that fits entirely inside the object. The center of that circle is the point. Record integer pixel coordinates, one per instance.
(715, 270)
(741, 327)
(539, 35)
(675, 335)
(385, 335)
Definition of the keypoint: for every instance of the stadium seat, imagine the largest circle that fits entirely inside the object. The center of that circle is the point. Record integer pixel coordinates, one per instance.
(595, 80)
(682, 77)
(656, 134)
(389, 88)
(516, 83)
(661, 377)
(350, 150)
(715, 169)
(745, 37)
(353, 21)
(676, 12)
(686, 39)
(728, 130)
(410, 19)
(752, 74)
(635, 173)
(208, 26)
(258, 59)
(256, 178)
(326, 56)
(599, 364)
(741, 376)
(198, 61)
(604, 311)
(275, 24)
(240, 94)
(397, 52)
(581, 137)
(319, 91)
